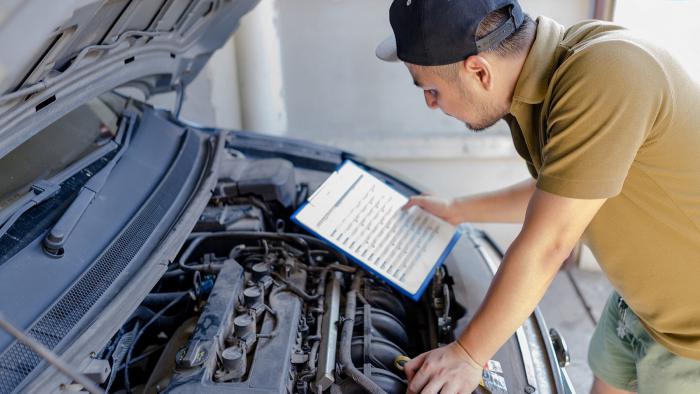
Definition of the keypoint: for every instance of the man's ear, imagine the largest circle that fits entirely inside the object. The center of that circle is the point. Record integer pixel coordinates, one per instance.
(478, 68)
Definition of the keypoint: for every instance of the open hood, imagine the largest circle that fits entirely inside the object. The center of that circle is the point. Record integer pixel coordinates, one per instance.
(59, 54)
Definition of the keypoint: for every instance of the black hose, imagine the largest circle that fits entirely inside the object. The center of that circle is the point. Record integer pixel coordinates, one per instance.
(301, 239)
(272, 298)
(293, 237)
(267, 213)
(334, 266)
(141, 357)
(158, 300)
(446, 295)
(295, 289)
(173, 273)
(321, 291)
(274, 306)
(346, 341)
(214, 268)
(302, 194)
(311, 364)
(181, 262)
(307, 249)
(208, 268)
(144, 313)
(236, 251)
(155, 317)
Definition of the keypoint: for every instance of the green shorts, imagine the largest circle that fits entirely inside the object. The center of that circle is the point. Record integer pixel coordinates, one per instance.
(624, 355)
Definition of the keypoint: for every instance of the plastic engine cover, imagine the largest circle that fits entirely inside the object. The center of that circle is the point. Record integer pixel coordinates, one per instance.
(271, 179)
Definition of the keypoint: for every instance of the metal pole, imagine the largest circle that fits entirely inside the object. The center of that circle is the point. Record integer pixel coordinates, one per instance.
(49, 356)
(604, 9)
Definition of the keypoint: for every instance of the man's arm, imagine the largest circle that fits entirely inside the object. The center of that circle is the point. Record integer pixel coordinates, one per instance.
(552, 226)
(506, 205)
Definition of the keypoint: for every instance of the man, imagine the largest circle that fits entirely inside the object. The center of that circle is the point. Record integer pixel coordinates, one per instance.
(610, 128)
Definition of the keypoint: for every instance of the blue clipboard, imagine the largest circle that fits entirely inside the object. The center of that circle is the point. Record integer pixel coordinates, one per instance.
(414, 296)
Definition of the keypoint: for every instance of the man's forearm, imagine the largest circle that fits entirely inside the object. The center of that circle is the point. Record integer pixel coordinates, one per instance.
(501, 206)
(517, 288)
(552, 227)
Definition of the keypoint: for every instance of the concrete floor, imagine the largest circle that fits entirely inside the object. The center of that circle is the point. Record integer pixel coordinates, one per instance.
(574, 301)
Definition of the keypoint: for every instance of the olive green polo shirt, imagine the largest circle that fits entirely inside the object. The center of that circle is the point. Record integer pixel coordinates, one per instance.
(599, 113)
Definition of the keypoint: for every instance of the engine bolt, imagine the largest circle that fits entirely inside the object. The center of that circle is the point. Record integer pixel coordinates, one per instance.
(260, 270)
(234, 360)
(244, 328)
(252, 296)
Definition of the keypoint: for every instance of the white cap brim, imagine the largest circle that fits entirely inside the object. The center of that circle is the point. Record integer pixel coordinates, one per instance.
(386, 50)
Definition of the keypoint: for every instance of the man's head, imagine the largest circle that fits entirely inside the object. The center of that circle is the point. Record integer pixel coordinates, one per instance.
(466, 57)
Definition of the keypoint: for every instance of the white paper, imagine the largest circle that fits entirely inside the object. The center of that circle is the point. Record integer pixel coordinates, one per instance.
(362, 216)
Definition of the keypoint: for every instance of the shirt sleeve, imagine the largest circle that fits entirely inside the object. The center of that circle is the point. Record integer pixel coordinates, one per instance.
(605, 101)
(531, 169)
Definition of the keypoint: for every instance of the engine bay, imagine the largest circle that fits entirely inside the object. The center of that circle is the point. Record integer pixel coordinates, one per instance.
(254, 304)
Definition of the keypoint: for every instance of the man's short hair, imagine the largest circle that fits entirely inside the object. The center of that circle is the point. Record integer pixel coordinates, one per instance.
(516, 43)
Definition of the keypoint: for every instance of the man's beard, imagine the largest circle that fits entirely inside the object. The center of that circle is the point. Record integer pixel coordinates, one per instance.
(481, 126)
(491, 117)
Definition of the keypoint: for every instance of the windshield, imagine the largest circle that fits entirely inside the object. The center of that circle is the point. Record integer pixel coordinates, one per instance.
(56, 147)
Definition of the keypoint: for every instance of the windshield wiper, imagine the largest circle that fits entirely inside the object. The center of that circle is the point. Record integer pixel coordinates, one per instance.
(43, 190)
(61, 231)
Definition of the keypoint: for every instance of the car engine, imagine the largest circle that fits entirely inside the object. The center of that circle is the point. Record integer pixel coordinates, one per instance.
(254, 304)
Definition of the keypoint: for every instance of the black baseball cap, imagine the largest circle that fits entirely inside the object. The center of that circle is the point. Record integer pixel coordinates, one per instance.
(438, 32)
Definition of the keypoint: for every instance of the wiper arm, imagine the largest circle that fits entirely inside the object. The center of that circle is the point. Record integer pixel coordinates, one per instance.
(53, 243)
(43, 191)
(61, 231)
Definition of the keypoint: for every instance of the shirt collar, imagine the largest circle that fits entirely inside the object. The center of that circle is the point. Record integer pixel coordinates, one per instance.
(540, 63)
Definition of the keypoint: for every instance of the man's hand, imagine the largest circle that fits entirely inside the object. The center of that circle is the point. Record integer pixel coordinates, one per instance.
(443, 208)
(446, 370)
(506, 205)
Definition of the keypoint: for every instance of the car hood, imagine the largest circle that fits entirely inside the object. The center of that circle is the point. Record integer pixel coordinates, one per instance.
(59, 54)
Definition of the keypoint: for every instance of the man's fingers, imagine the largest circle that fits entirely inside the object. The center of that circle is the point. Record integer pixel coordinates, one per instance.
(434, 386)
(450, 387)
(419, 380)
(412, 366)
(415, 200)
(411, 202)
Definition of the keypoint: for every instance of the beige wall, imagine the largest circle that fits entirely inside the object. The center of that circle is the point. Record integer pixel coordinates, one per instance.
(306, 68)
(669, 23)
(330, 87)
